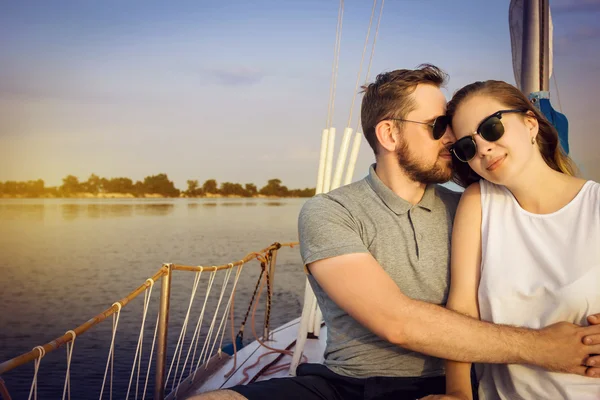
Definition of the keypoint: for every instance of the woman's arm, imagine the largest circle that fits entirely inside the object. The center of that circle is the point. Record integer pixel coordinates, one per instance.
(464, 279)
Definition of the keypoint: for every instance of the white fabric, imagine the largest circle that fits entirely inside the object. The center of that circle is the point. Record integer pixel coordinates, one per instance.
(537, 270)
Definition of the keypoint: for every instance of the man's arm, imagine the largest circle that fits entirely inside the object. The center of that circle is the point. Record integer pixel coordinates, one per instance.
(358, 284)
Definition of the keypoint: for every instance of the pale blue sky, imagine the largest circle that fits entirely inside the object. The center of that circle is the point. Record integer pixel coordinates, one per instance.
(238, 92)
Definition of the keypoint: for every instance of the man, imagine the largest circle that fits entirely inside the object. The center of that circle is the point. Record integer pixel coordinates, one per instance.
(377, 252)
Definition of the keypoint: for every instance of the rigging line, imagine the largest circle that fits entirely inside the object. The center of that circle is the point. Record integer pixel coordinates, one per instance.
(331, 91)
(362, 59)
(373, 49)
(557, 93)
(337, 63)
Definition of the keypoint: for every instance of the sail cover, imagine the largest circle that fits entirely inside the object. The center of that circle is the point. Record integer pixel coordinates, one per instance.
(516, 20)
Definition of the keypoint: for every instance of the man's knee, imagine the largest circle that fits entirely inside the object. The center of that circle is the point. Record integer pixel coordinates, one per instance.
(218, 395)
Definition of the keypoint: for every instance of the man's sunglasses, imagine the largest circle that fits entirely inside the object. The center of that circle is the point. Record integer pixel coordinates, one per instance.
(438, 126)
(490, 129)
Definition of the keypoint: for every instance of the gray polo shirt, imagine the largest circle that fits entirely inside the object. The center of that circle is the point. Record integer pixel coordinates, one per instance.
(410, 242)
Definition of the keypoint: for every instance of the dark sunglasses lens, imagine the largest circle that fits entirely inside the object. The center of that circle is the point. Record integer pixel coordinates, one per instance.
(439, 127)
(492, 129)
(464, 149)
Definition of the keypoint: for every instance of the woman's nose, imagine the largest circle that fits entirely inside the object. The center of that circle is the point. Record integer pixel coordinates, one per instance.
(483, 146)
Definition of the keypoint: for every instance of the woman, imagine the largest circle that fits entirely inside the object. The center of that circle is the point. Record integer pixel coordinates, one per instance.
(526, 238)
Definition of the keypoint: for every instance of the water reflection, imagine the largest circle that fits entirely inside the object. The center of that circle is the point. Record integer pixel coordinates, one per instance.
(154, 209)
(109, 210)
(71, 212)
(232, 204)
(34, 212)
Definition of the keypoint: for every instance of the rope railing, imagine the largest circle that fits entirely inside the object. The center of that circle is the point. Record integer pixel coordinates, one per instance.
(264, 256)
(68, 337)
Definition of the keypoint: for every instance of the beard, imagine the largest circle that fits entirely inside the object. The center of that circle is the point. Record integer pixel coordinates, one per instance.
(418, 171)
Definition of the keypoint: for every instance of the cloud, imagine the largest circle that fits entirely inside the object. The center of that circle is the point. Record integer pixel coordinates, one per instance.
(575, 6)
(236, 76)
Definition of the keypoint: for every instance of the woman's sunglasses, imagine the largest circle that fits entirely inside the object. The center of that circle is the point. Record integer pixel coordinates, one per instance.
(490, 129)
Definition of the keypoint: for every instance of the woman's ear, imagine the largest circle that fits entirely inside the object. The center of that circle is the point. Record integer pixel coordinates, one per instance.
(532, 124)
(386, 133)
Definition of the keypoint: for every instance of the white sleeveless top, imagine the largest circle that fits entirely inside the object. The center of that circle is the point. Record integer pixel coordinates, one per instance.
(538, 269)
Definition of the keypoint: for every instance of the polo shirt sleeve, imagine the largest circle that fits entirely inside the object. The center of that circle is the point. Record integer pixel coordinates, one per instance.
(327, 229)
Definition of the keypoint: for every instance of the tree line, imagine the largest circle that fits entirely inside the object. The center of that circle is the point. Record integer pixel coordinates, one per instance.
(151, 185)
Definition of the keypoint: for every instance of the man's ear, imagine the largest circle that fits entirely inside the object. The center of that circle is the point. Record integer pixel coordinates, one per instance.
(386, 133)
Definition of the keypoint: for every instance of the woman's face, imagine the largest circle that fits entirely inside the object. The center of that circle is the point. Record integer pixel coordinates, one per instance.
(498, 161)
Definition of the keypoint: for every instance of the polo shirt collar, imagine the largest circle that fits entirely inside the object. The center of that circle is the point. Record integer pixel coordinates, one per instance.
(394, 202)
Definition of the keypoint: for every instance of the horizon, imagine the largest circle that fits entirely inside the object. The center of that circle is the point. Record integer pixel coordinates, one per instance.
(238, 92)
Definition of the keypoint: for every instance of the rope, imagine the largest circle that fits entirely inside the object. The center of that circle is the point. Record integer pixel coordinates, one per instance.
(372, 51)
(233, 339)
(58, 342)
(268, 370)
(67, 387)
(337, 63)
(181, 340)
(196, 338)
(230, 309)
(4, 390)
(263, 370)
(243, 325)
(212, 324)
(268, 307)
(237, 276)
(336, 54)
(151, 353)
(70, 336)
(557, 94)
(138, 351)
(273, 350)
(223, 323)
(111, 354)
(36, 367)
(362, 58)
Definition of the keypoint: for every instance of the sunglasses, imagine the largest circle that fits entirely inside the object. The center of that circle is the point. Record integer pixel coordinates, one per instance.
(438, 126)
(490, 129)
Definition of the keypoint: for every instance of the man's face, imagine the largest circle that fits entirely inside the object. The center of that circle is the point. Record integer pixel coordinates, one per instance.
(423, 158)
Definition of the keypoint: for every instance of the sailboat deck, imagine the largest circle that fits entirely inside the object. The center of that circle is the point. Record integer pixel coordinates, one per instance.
(283, 337)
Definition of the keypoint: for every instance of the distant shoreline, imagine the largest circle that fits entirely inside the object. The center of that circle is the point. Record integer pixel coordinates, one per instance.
(144, 196)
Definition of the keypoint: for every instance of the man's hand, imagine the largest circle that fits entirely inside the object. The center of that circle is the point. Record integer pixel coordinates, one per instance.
(593, 339)
(565, 347)
(593, 362)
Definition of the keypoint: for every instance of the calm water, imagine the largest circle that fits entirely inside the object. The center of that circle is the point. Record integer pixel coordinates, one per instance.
(64, 261)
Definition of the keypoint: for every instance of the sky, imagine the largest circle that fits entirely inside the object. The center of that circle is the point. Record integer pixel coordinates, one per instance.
(238, 91)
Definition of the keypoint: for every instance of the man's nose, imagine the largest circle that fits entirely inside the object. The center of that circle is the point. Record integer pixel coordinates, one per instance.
(448, 137)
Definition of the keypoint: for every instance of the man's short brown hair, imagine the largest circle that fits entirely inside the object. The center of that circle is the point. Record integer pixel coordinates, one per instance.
(389, 96)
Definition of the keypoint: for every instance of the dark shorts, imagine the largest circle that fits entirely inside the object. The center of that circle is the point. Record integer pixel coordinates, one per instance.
(315, 381)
